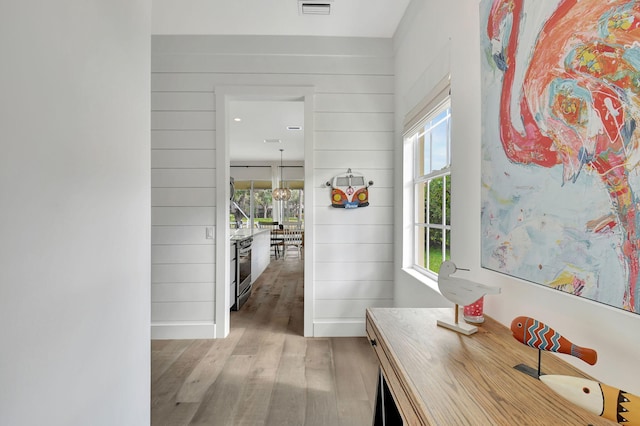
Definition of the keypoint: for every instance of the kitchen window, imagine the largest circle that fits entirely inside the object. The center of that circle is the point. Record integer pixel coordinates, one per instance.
(294, 207)
(251, 203)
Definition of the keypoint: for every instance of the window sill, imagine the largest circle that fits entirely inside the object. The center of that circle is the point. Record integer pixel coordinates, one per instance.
(429, 282)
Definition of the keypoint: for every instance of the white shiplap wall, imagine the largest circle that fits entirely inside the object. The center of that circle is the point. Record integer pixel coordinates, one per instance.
(353, 117)
(182, 206)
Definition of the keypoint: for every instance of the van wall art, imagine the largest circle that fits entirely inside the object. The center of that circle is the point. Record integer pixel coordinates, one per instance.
(349, 190)
(560, 154)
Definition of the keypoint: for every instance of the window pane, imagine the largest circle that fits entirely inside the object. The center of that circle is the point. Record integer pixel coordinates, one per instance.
(421, 253)
(439, 146)
(263, 205)
(422, 156)
(294, 208)
(435, 200)
(436, 256)
(447, 247)
(440, 117)
(421, 203)
(240, 208)
(432, 189)
(447, 203)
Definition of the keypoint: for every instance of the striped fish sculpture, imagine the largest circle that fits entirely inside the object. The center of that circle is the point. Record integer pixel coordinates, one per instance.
(538, 335)
(606, 401)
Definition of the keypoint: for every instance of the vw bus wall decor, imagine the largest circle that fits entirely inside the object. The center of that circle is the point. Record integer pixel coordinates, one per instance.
(349, 190)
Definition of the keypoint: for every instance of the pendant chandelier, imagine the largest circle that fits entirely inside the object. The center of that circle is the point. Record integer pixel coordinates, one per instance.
(281, 193)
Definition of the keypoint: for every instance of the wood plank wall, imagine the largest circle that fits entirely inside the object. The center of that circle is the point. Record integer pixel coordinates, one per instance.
(353, 116)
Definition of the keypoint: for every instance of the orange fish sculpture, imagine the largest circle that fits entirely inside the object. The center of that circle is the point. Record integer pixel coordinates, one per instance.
(538, 335)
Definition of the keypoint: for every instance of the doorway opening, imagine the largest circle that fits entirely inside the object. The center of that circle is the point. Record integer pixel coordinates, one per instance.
(264, 140)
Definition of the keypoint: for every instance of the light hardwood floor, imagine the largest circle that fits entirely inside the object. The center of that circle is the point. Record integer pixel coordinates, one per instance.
(265, 372)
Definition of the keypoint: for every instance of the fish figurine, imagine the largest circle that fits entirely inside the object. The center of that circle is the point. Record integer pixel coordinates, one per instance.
(604, 400)
(536, 334)
(458, 290)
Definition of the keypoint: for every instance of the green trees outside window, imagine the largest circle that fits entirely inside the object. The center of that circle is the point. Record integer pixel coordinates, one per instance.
(439, 214)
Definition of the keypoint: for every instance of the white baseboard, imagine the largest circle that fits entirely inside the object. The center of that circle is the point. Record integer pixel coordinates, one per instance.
(339, 328)
(200, 330)
(183, 330)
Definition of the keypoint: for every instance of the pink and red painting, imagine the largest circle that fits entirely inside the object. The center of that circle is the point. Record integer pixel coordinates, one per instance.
(560, 151)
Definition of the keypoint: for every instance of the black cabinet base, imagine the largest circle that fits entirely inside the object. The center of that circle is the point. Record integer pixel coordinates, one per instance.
(386, 413)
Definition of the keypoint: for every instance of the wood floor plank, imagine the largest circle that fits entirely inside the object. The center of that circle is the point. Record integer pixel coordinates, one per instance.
(164, 353)
(355, 401)
(266, 372)
(288, 401)
(163, 394)
(261, 380)
(180, 415)
(296, 319)
(321, 406)
(286, 297)
(249, 344)
(349, 383)
(264, 302)
(318, 354)
(207, 370)
(368, 367)
(255, 403)
(354, 413)
(223, 398)
(294, 345)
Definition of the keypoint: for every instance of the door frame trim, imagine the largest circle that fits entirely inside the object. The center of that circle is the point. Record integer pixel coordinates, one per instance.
(225, 94)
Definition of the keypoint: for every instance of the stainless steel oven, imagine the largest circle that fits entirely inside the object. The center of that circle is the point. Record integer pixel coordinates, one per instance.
(243, 281)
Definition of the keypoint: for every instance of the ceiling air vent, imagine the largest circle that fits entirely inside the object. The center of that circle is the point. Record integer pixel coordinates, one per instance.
(314, 7)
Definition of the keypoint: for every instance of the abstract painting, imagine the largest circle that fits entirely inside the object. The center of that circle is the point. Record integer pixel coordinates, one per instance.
(560, 154)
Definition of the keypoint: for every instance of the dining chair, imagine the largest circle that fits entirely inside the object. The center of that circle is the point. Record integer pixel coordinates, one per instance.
(277, 240)
(293, 225)
(293, 240)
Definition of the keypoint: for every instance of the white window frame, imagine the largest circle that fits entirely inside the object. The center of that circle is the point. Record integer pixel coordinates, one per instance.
(437, 101)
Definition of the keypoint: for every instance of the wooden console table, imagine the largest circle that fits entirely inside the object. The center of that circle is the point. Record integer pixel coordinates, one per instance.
(439, 377)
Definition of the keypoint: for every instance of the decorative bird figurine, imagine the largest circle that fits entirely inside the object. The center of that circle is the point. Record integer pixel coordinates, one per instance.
(604, 400)
(536, 334)
(461, 292)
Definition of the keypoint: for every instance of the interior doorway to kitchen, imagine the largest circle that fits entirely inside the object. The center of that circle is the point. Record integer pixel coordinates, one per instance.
(229, 101)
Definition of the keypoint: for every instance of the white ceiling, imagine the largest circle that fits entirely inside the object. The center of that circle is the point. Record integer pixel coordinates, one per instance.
(268, 120)
(348, 18)
(265, 120)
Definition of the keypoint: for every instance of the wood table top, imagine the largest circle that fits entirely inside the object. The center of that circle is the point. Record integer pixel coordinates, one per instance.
(453, 379)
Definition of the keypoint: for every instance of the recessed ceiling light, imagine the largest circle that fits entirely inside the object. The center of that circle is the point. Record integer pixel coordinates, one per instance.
(294, 127)
(272, 141)
(237, 119)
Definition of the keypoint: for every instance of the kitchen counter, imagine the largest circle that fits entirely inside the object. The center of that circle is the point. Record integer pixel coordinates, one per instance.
(260, 247)
(242, 233)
